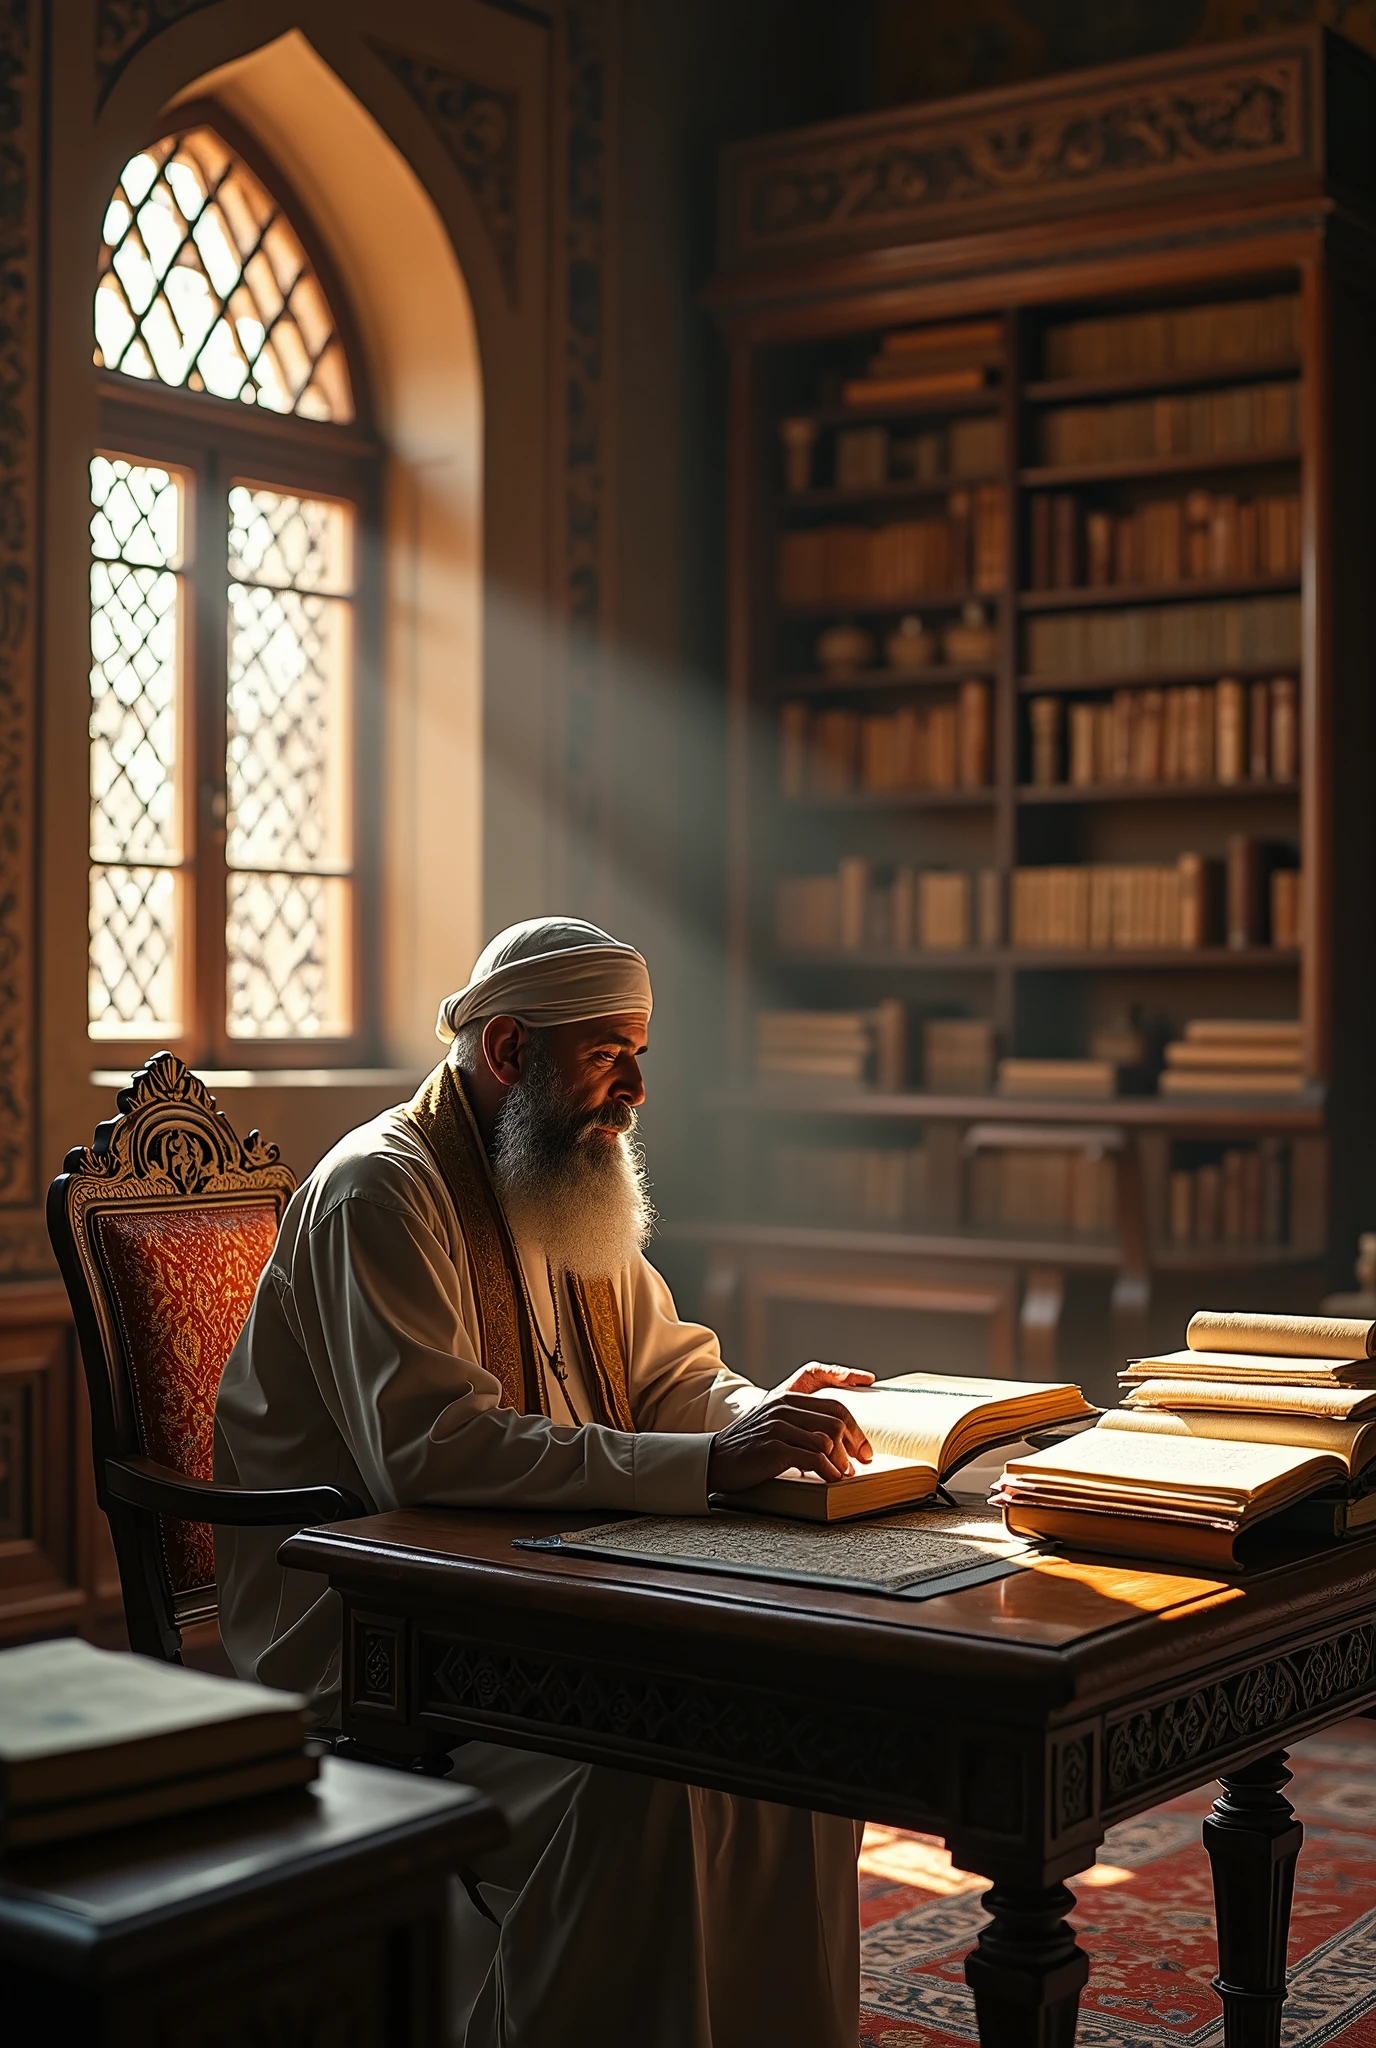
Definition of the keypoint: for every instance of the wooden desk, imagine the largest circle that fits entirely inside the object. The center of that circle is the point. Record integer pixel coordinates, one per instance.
(1016, 1719)
(314, 1915)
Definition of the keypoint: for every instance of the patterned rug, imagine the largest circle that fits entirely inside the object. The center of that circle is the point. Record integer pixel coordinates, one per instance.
(1144, 1916)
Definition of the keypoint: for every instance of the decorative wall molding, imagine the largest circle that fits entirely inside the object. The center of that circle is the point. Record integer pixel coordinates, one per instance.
(478, 126)
(585, 534)
(19, 373)
(1212, 1720)
(124, 27)
(915, 173)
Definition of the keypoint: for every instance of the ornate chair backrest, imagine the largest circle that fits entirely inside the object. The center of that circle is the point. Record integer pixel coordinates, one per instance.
(162, 1227)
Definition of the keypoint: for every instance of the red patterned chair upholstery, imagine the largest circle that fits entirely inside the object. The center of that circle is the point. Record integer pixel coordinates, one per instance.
(161, 1228)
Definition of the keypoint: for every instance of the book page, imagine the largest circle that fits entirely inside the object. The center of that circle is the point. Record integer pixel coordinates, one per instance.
(1339, 1404)
(1346, 1440)
(1166, 1464)
(1263, 1366)
(919, 1414)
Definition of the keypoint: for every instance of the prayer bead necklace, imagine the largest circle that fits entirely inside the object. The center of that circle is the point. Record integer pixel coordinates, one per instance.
(554, 1359)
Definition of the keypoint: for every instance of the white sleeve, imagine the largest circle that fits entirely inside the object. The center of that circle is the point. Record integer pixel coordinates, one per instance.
(376, 1300)
(677, 1379)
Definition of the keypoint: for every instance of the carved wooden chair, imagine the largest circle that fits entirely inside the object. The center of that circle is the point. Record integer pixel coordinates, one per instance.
(161, 1228)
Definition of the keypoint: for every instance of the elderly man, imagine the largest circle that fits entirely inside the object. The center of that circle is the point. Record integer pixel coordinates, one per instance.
(458, 1312)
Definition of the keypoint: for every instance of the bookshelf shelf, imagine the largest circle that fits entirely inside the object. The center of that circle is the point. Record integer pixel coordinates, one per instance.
(894, 800)
(1201, 1117)
(990, 399)
(1225, 1257)
(1157, 679)
(1232, 255)
(915, 601)
(1185, 377)
(937, 960)
(1084, 1252)
(1148, 467)
(1155, 792)
(832, 498)
(867, 679)
(1093, 597)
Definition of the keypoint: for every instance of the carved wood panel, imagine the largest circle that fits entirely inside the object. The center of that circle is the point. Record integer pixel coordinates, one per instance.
(1157, 1744)
(19, 31)
(1024, 152)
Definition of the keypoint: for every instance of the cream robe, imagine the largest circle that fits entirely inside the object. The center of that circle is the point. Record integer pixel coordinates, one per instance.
(632, 1910)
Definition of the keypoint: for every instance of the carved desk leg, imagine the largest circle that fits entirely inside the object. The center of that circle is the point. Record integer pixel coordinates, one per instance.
(1253, 1838)
(1026, 1970)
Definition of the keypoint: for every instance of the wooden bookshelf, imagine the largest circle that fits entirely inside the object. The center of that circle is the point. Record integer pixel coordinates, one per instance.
(1182, 249)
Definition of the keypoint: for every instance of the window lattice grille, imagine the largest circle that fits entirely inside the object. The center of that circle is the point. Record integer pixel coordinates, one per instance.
(287, 766)
(204, 285)
(136, 851)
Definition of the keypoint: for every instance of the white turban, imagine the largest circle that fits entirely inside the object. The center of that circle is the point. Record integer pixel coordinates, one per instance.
(549, 970)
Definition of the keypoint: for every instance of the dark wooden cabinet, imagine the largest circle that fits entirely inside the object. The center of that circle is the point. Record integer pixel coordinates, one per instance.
(1179, 191)
(57, 1565)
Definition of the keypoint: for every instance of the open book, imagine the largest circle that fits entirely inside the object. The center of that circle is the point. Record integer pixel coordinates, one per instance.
(1146, 1494)
(1344, 1426)
(922, 1427)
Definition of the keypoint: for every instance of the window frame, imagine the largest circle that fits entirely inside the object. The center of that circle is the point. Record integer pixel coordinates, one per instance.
(215, 443)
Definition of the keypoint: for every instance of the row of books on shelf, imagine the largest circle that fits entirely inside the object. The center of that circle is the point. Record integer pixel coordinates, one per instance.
(1250, 899)
(867, 458)
(1242, 1198)
(1150, 639)
(839, 1049)
(1227, 733)
(1053, 1190)
(1177, 338)
(1199, 538)
(929, 746)
(1260, 1422)
(965, 548)
(1243, 417)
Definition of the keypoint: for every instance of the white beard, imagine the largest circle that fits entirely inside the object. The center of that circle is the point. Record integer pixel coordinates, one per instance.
(581, 1197)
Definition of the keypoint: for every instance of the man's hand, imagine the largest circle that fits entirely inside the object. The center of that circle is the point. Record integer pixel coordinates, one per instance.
(791, 1428)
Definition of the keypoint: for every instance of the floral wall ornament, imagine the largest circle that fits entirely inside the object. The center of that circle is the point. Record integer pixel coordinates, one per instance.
(478, 126)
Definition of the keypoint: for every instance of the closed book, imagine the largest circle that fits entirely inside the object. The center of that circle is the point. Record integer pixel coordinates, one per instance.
(1259, 732)
(989, 907)
(1098, 549)
(1089, 1079)
(1285, 907)
(891, 1044)
(28, 1827)
(1281, 1031)
(958, 1055)
(1284, 730)
(1044, 717)
(1232, 1081)
(1187, 1053)
(1083, 765)
(902, 385)
(959, 339)
(973, 734)
(1039, 540)
(853, 875)
(80, 1725)
(1181, 1206)
(1065, 541)
(1229, 731)
(1246, 891)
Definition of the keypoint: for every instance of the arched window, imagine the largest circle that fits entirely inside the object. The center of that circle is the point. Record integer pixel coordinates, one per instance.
(231, 621)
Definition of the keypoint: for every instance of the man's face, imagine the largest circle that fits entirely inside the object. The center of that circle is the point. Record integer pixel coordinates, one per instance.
(598, 1064)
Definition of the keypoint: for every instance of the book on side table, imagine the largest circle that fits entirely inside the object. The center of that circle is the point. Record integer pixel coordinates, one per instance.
(922, 1427)
(96, 1739)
